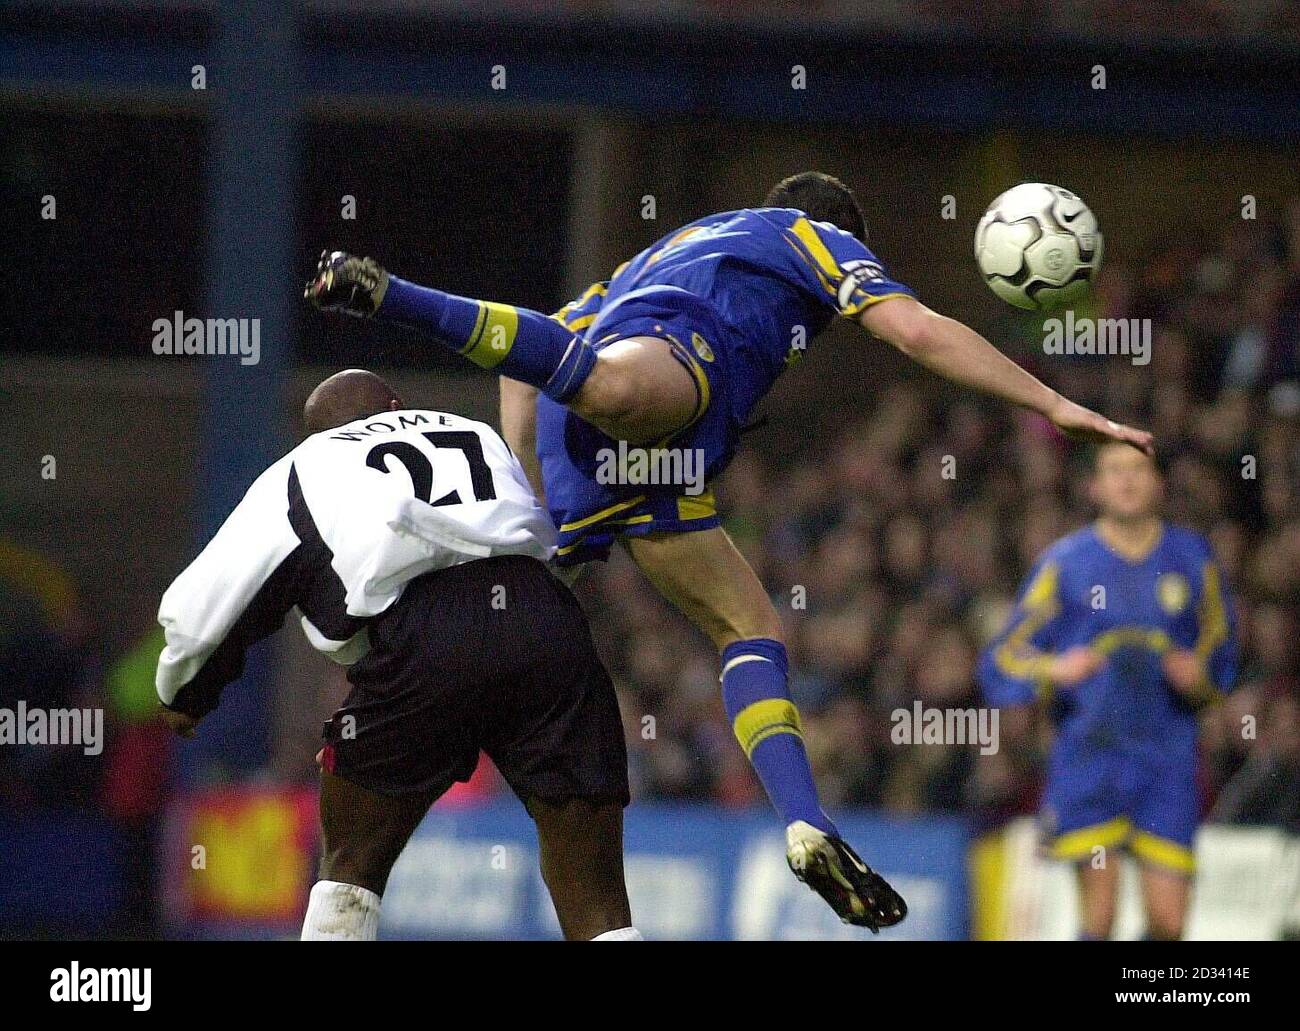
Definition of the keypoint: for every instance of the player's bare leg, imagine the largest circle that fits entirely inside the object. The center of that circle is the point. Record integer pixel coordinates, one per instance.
(632, 389)
(637, 391)
(1098, 892)
(1165, 896)
(362, 834)
(581, 852)
(709, 581)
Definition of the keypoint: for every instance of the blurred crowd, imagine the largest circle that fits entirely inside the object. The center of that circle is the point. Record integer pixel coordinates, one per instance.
(894, 552)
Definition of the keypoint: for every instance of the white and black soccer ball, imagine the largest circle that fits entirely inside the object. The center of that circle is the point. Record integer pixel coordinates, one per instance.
(1038, 246)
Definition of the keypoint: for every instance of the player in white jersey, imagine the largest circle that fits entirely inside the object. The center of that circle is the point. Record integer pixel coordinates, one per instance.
(414, 548)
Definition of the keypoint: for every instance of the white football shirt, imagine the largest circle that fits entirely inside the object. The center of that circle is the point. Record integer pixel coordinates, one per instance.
(338, 527)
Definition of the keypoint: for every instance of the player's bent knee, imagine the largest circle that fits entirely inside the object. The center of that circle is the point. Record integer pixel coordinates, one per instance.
(611, 394)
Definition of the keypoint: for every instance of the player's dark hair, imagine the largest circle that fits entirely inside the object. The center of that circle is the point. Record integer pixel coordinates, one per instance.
(823, 198)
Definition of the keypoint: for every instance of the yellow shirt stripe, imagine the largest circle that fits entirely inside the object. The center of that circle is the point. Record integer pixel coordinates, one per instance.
(826, 262)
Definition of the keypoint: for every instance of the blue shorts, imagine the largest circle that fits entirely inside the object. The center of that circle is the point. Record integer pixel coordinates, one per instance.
(589, 510)
(1105, 800)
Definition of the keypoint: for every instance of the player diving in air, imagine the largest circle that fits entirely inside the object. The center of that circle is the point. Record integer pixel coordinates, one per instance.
(673, 352)
(412, 545)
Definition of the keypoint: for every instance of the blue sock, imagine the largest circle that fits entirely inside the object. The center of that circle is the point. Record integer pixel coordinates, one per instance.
(766, 723)
(516, 342)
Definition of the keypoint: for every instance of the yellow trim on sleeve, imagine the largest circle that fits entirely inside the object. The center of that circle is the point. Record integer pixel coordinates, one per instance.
(868, 301)
(763, 719)
(1015, 656)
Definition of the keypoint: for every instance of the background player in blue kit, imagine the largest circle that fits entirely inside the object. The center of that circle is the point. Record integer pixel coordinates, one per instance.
(1124, 630)
(674, 351)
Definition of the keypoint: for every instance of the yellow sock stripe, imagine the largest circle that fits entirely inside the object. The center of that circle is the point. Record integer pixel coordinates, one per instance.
(757, 722)
(494, 334)
(1078, 844)
(1151, 848)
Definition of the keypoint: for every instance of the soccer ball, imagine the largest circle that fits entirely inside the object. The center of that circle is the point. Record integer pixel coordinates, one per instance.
(1038, 246)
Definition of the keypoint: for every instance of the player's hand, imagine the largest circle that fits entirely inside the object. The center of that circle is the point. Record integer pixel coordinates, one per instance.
(179, 722)
(1185, 670)
(346, 283)
(1084, 424)
(1074, 666)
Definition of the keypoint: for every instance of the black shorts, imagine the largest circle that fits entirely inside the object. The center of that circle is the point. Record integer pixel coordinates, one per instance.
(493, 655)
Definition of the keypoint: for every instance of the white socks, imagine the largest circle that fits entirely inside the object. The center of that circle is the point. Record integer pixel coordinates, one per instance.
(338, 912)
(623, 934)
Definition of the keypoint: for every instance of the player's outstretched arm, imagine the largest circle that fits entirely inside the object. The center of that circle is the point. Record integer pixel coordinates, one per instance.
(958, 353)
